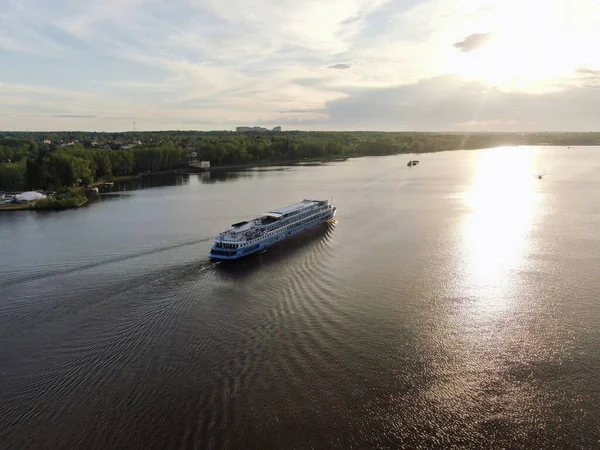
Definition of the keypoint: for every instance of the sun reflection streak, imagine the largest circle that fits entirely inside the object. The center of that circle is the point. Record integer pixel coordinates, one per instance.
(502, 200)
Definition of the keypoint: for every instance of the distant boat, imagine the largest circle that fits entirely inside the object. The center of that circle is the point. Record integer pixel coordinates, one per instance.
(412, 163)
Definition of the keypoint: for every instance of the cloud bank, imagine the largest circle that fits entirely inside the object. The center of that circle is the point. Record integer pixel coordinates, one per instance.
(352, 64)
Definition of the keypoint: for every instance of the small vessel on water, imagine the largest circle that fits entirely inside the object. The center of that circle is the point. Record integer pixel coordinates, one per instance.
(412, 163)
(255, 236)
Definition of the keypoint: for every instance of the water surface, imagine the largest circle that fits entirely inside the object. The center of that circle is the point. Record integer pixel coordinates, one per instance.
(455, 303)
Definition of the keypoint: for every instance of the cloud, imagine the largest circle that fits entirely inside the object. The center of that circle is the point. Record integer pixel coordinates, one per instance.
(75, 116)
(584, 71)
(589, 78)
(62, 116)
(473, 42)
(85, 18)
(449, 103)
(341, 66)
(493, 124)
(301, 110)
(20, 37)
(140, 86)
(37, 91)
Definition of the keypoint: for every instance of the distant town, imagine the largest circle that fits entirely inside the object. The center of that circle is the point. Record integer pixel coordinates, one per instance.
(102, 142)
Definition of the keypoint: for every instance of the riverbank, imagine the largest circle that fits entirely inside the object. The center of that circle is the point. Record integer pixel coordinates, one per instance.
(66, 199)
(15, 206)
(233, 167)
(60, 203)
(225, 168)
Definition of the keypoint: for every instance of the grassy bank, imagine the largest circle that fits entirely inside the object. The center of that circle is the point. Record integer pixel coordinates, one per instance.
(63, 199)
(60, 203)
(16, 207)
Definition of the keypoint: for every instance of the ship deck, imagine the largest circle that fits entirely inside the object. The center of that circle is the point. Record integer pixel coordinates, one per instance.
(252, 229)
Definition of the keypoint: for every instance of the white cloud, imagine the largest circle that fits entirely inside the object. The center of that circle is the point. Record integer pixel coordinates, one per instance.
(40, 90)
(87, 17)
(313, 24)
(19, 37)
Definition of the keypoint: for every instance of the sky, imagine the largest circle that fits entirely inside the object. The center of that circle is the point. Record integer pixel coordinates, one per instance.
(389, 65)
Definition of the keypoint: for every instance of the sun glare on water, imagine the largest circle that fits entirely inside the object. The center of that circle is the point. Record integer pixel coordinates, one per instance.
(502, 201)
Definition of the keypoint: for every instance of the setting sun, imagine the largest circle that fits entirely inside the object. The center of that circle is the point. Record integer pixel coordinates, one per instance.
(528, 46)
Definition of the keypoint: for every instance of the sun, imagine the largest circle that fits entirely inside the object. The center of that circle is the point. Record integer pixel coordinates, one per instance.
(513, 61)
(531, 46)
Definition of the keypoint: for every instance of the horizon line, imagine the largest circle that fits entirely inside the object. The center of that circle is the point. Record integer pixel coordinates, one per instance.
(307, 131)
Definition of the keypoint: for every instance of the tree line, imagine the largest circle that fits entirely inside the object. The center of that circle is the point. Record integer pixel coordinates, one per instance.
(46, 166)
(28, 161)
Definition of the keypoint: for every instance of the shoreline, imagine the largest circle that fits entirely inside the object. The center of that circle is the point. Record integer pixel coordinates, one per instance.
(310, 161)
(16, 207)
(229, 167)
(233, 167)
(32, 206)
(60, 208)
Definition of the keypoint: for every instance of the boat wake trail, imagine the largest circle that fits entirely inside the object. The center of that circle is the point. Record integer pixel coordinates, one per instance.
(35, 273)
(267, 305)
(97, 342)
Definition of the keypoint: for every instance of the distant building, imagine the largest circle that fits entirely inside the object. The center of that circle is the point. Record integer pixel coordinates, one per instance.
(47, 141)
(255, 129)
(276, 129)
(203, 165)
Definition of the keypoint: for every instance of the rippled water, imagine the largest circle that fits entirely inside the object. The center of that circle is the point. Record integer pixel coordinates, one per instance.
(453, 304)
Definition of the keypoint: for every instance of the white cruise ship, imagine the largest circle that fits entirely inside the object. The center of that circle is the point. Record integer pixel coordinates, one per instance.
(253, 236)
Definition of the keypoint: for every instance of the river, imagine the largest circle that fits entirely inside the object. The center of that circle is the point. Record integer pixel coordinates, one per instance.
(452, 304)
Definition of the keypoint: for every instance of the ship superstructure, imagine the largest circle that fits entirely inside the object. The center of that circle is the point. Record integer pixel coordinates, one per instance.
(253, 236)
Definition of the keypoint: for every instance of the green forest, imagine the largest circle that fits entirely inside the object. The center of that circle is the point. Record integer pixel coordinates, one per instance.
(40, 160)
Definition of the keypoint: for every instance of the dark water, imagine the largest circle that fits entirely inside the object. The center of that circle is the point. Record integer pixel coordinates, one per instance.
(455, 304)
